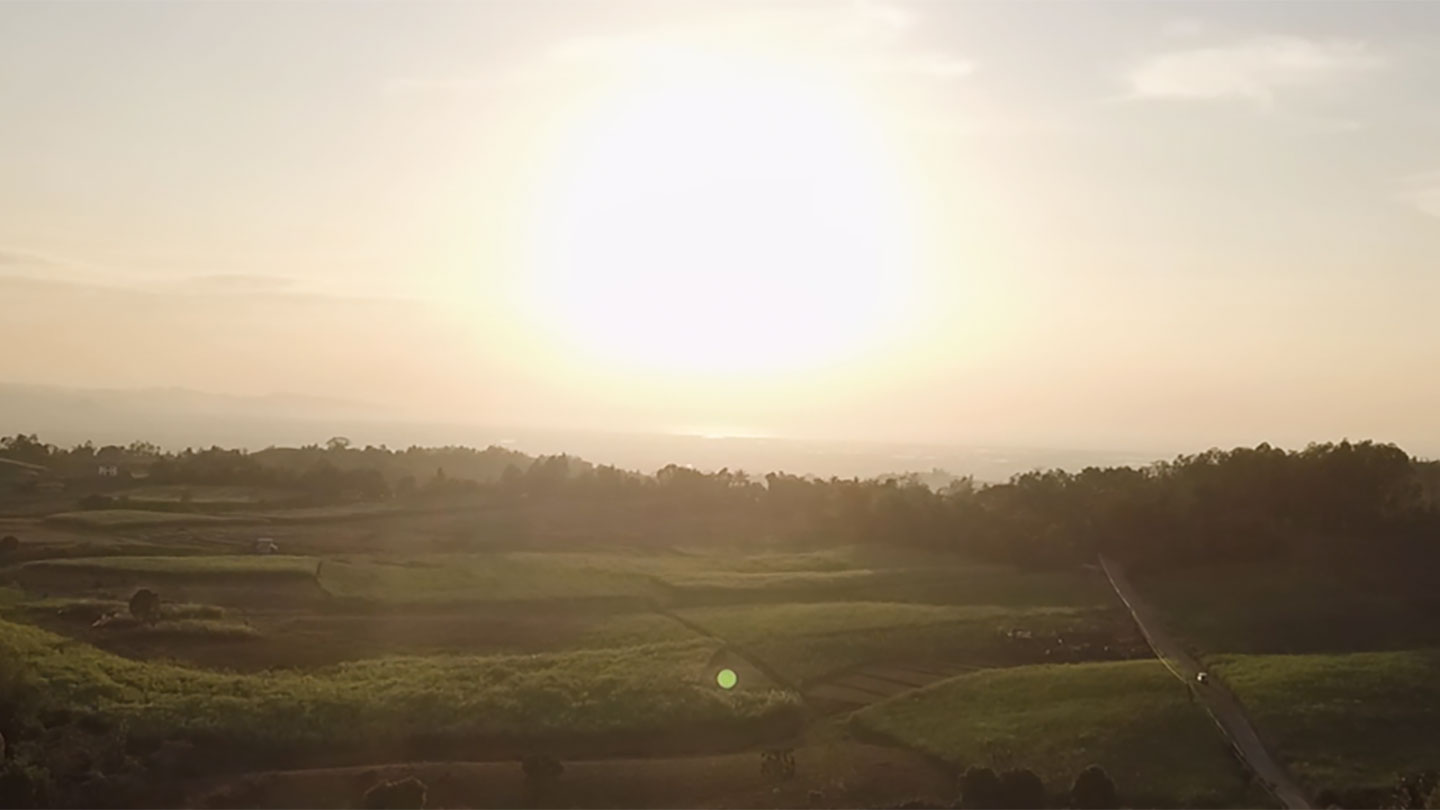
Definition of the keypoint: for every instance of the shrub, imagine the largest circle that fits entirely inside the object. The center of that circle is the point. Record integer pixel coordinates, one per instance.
(145, 605)
(23, 784)
(9, 544)
(1021, 789)
(402, 794)
(1093, 790)
(979, 788)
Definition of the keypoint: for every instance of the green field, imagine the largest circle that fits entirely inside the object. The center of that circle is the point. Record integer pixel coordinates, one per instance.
(1300, 608)
(200, 495)
(200, 566)
(439, 578)
(1130, 717)
(386, 703)
(1343, 721)
(809, 640)
(136, 518)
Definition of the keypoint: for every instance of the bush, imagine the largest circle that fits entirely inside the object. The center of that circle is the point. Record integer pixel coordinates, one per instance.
(145, 605)
(979, 788)
(1021, 789)
(402, 794)
(1093, 790)
(9, 544)
(23, 784)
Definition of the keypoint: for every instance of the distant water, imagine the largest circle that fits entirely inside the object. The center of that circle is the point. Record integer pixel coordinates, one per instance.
(176, 419)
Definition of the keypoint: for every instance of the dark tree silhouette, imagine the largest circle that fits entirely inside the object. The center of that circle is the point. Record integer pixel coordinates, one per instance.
(1021, 789)
(979, 788)
(1093, 790)
(145, 605)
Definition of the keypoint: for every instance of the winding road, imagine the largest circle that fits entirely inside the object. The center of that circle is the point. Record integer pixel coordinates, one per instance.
(1221, 705)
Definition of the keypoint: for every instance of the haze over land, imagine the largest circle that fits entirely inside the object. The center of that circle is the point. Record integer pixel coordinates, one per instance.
(1138, 227)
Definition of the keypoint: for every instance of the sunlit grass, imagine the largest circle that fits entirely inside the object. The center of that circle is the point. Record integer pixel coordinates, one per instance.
(275, 715)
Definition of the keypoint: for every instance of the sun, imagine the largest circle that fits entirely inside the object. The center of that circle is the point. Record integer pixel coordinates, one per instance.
(726, 213)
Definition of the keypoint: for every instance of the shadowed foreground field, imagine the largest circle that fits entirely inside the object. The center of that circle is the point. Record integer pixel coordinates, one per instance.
(1344, 721)
(1130, 717)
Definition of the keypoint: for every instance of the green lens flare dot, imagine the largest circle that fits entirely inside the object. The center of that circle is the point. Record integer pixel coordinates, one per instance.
(727, 678)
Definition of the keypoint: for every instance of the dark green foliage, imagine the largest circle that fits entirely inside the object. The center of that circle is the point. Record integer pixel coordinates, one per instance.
(145, 605)
(1021, 789)
(1413, 790)
(9, 544)
(1241, 504)
(1093, 790)
(23, 784)
(979, 788)
(401, 794)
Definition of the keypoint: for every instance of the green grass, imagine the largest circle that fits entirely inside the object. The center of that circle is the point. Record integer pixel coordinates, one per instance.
(1300, 607)
(1130, 717)
(1343, 721)
(135, 518)
(201, 629)
(198, 566)
(631, 629)
(805, 641)
(201, 494)
(282, 716)
(441, 578)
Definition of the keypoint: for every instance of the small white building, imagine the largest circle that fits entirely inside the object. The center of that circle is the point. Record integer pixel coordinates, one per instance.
(265, 545)
(108, 471)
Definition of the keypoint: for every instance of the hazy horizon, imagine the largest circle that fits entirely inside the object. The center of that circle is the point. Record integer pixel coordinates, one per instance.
(1136, 227)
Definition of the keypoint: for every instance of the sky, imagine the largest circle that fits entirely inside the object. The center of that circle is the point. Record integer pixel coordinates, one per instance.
(1119, 225)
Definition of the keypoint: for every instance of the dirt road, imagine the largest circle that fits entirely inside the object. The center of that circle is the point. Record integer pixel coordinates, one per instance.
(1222, 706)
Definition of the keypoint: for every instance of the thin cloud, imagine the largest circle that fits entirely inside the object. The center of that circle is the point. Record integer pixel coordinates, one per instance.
(1253, 70)
(864, 36)
(935, 66)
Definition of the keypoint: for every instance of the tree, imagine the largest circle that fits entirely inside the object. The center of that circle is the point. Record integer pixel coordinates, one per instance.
(979, 788)
(145, 605)
(1021, 789)
(1093, 790)
(337, 443)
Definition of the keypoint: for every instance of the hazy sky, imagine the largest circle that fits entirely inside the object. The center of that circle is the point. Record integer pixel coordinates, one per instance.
(1110, 224)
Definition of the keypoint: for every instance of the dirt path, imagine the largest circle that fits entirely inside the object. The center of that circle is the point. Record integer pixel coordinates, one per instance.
(1221, 705)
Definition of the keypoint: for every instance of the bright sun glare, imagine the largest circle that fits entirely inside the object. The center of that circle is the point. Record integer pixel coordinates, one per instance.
(723, 214)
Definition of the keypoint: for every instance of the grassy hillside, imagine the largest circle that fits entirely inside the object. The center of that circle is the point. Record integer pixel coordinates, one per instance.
(476, 577)
(805, 641)
(188, 566)
(1283, 607)
(136, 518)
(1344, 721)
(1131, 717)
(388, 703)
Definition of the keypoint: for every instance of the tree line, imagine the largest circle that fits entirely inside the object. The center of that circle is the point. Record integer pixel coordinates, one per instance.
(1219, 505)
